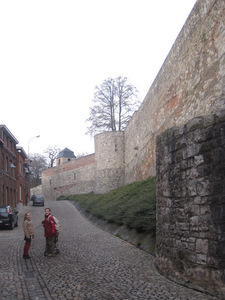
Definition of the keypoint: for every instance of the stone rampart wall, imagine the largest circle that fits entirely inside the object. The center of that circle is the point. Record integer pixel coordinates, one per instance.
(73, 177)
(109, 158)
(190, 84)
(36, 190)
(190, 158)
(190, 238)
(98, 173)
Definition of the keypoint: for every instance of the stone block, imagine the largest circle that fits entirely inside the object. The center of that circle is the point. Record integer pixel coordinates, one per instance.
(202, 187)
(194, 124)
(201, 259)
(192, 188)
(202, 246)
(198, 160)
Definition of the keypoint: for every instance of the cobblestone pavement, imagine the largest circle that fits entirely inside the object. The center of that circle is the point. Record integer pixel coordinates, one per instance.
(92, 265)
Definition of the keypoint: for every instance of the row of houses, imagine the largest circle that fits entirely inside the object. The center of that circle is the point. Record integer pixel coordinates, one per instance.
(15, 172)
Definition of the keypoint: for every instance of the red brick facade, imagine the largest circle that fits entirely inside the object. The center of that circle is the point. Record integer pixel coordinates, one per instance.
(23, 177)
(14, 184)
(8, 186)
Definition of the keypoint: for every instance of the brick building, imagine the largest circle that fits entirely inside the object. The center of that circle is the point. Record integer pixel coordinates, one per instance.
(23, 177)
(8, 186)
(14, 185)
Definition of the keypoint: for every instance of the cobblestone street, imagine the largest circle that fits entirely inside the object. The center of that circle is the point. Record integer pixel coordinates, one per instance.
(92, 265)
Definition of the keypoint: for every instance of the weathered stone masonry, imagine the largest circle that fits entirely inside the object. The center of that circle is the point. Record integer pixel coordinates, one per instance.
(109, 158)
(98, 173)
(73, 177)
(190, 83)
(190, 244)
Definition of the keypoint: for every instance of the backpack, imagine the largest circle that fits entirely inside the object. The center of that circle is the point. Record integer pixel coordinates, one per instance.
(57, 224)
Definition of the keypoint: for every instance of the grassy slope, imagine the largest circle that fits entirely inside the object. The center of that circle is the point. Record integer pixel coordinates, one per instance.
(132, 205)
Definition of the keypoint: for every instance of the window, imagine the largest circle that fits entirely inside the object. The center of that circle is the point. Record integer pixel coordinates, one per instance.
(14, 199)
(6, 164)
(6, 195)
(3, 159)
(21, 169)
(3, 193)
(20, 195)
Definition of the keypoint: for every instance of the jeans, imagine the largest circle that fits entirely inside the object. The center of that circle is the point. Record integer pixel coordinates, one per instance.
(26, 247)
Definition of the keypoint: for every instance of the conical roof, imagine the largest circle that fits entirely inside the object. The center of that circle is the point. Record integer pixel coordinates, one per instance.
(66, 153)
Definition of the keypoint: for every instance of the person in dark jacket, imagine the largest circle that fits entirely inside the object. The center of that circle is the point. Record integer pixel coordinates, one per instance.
(50, 233)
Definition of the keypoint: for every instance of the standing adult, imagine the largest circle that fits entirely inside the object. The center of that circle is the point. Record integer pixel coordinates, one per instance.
(50, 233)
(28, 234)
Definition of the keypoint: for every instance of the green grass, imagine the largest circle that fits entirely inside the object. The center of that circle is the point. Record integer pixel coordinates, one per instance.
(133, 205)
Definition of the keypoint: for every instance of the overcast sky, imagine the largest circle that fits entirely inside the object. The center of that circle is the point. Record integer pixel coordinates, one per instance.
(53, 54)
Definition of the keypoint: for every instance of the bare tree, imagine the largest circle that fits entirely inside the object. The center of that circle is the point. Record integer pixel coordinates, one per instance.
(37, 165)
(52, 154)
(128, 101)
(114, 103)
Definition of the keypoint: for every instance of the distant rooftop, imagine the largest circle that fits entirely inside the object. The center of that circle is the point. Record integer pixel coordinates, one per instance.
(66, 153)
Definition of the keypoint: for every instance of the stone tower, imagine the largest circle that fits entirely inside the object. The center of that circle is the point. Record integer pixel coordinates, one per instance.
(64, 156)
(109, 158)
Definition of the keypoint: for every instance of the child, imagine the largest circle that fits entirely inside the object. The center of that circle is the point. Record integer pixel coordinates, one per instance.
(29, 233)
